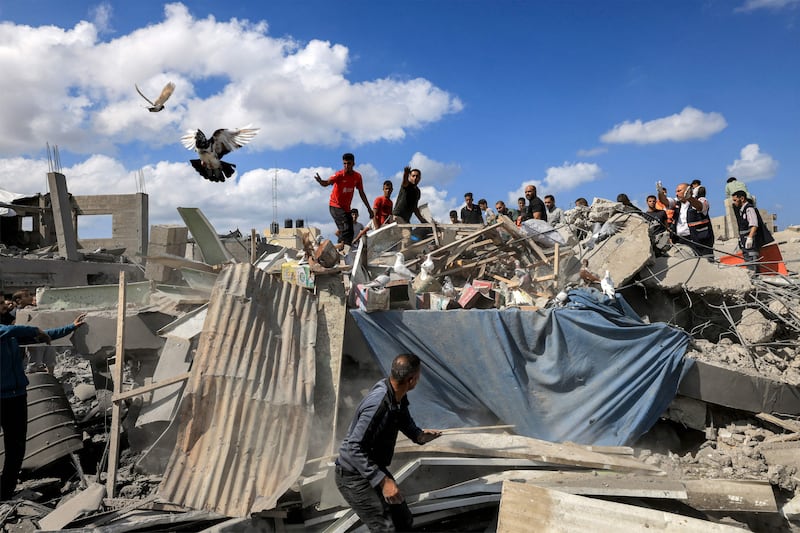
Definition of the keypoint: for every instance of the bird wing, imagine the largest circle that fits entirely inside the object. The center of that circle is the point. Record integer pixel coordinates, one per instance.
(142, 95)
(188, 140)
(225, 141)
(166, 92)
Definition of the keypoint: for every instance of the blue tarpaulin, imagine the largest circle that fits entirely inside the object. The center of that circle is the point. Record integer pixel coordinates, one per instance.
(591, 372)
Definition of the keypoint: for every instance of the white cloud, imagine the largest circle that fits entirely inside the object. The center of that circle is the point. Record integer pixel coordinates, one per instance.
(591, 152)
(689, 124)
(752, 5)
(77, 90)
(559, 179)
(753, 164)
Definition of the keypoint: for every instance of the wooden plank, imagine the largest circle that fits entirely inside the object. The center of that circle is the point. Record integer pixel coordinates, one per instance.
(790, 425)
(119, 366)
(519, 447)
(594, 483)
(786, 437)
(151, 387)
(523, 506)
(450, 431)
(252, 245)
(730, 495)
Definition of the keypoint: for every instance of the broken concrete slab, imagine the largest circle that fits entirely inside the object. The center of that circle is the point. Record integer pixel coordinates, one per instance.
(624, 253)
(676, 273)
(522, 505)
(100, 331)
(755, 328)
(751, 392)
(86, 501)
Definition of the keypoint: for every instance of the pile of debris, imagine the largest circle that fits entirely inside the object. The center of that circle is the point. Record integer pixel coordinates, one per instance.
(228, 392)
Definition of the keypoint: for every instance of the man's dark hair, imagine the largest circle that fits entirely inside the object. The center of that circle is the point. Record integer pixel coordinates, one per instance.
(354, 211)
(417, 170)
(388, 182)
(520, 199)
(453, 213)
(467, 195)
(483, 201)
(404, 366)
(731, 179)
(740, 194)
(348, 157)
(623, 199)
(551, 197)
(581, 201)
(20, 294)
(695, 182)
(653, 196)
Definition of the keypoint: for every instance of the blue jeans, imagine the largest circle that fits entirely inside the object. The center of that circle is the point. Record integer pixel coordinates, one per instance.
(370, 506)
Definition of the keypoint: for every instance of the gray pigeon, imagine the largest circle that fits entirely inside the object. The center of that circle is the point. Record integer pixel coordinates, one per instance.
(211, 151)
(381, 280)
(158, 105)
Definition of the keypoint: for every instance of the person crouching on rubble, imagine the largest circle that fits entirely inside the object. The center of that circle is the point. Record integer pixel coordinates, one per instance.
(366, 452)
(14, 395)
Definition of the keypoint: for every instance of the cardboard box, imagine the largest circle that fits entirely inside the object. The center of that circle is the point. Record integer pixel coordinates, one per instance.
(440, 302)
(371, 299)
(296, 274)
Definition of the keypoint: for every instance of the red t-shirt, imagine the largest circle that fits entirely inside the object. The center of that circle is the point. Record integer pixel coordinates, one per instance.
(382, 207)
(344, 185)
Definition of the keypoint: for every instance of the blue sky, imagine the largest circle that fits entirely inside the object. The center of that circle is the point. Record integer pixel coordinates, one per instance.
(581, 98)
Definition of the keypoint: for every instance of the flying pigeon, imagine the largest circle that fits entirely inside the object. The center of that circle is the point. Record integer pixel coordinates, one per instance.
(211, 151)
(400, 267)
(158, 105)
(381, 280)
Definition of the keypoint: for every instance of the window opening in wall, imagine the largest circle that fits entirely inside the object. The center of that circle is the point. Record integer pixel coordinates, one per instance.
(95, 226)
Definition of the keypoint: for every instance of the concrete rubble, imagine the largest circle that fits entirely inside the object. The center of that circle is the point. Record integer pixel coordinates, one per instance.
(241, 366)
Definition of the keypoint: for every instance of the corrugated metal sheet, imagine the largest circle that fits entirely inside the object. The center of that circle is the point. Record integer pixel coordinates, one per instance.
(245, 415)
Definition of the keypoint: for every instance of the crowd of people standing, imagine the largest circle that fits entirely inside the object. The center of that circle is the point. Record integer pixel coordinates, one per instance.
(684, 216)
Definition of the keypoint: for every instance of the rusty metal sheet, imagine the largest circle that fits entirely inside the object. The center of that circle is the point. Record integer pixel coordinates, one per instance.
(246, 412)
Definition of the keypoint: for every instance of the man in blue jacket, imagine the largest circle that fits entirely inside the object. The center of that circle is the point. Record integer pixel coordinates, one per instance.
(14, 396)
(366, 452)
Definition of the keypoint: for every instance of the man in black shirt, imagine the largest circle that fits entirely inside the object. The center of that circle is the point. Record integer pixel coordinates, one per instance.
(407, 202)
(535, 208)
(366, 452)
(470, 213)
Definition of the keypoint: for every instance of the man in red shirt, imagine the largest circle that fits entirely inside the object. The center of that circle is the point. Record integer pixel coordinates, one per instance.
(345, 182)
(383, 205)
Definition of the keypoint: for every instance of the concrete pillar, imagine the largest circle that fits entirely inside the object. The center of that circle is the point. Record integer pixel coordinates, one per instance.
(62, 213)
(165, 240)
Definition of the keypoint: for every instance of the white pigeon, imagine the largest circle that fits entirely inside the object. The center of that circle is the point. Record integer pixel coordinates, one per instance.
(158, 105)
(400, 267)
(211, 151)
(381, 280)
(427, 266)
(607, 284)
